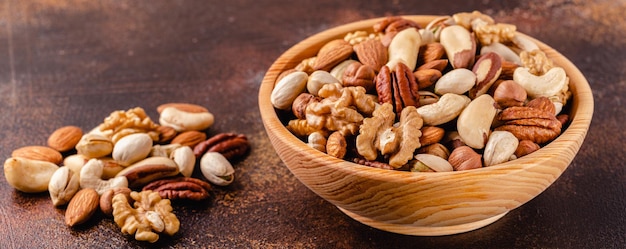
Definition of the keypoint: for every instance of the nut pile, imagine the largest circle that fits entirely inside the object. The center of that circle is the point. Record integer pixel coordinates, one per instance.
(129, 167)
(464, 92)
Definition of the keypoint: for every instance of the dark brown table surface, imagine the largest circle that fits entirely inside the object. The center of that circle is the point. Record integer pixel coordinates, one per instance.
(74, 62)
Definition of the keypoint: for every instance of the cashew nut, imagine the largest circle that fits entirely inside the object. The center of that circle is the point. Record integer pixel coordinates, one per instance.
(91, 177)
(549, 84)
(448, 107)
(185, 159)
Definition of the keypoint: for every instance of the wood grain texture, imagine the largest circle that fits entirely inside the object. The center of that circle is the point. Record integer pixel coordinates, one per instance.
(424, 203)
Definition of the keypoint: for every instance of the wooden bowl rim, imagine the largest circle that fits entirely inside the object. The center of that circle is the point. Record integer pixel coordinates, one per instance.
(571, 139)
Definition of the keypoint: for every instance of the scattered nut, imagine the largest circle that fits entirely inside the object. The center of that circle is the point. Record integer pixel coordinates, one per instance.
(62, 186)
(82, 206)
(41, 153)
(217, 169)
(65, 138)
(29, 176)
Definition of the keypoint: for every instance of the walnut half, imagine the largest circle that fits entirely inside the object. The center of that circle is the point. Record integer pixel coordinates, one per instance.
(150, 216)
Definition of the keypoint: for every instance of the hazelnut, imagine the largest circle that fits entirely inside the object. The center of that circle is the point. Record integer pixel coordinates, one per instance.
(464, 158)
(525, 147)
(508, 93)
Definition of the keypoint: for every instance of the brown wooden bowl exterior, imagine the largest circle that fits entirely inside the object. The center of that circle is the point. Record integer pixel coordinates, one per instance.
(423, 203)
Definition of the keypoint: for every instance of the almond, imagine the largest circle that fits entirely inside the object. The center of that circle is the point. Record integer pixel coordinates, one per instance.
(372, 53)
(65, 138)
(189, 138)
(82, 206)
(331, 54)
(431, 135)
(431, 52)
(41, 153)
(186, 107)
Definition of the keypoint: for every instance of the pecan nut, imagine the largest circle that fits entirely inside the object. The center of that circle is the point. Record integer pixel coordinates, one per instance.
(397, 87)
(528, 123)
(230, 145)
(180, 188)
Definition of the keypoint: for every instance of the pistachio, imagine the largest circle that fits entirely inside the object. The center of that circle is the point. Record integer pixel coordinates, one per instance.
(500, 147)
(217, 169)
(93, 145)
(132, 148)
(287, 90)
(62, 186)
(433, 162)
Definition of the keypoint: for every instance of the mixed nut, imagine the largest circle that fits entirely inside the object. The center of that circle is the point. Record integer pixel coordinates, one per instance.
(464, 92)
(130, 167)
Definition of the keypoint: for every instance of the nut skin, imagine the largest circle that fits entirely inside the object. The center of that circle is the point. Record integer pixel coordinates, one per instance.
(397, 87)
(373, 164)
(230, 145)
(82, 206)
(465, 158)
(40, 153)
(487, 69)
(440, 65)
(461, 54)
(528, 123)
(189, 138)
(65, 138)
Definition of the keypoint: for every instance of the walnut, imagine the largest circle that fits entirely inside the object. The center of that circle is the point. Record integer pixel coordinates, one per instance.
(150, 216)
(536, 61)
(492, 33)
(467, 19)
(121, 123)
(360, 36)
(341, 109)
(378, 133)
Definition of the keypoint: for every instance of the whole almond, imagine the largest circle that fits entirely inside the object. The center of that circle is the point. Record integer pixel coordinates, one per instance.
(372, 53)
(193, 108)
(189, 138)
(431, 52)
(41, 153)
(65, 138)
(331, 54)
(82, 206)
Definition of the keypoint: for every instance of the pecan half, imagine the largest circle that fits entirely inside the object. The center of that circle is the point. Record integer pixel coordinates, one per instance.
(528, 123)
(230, 145)
(397, 87)
(180, 188)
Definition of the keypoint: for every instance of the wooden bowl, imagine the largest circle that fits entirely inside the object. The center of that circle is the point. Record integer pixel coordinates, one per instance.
(423, 203)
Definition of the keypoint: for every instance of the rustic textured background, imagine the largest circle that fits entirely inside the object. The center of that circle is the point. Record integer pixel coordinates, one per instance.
(74, 62)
